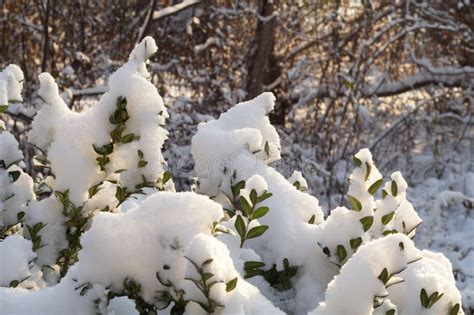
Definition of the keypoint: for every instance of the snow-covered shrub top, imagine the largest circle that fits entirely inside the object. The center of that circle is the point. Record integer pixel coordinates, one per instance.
(119, 139)
(11, 83)
(16, 187)
(106, 233)
(244, 128)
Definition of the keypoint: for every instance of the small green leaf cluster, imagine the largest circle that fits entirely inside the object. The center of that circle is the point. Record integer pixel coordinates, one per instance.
(298, 186)
(75, 224)
(251, 212)
(164, 298)
(204, 284)
(132, 289)
(12, 228)
(159, 184)
(278, 279)
(234, 199)
(13, 177)
(118, 118)
(341, 251)
(141, 162)
(34, 234)
(15, 283)
(354, 202)
(122, 193)
(103, 152)
(428, 301)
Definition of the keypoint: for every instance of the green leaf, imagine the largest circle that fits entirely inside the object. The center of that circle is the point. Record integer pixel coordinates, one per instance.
(401, 245)
(455, 309)
(390, 312)
(253, 196)
(105, 209)
(375, 186)
(434, 297)
(116, 134)
(121, 102)
(128, 138)
(267, 148)
(357, 161)
(312, 219)
(341, 252)
(387, 218)
(264, 196)
(140, 154)
(355, 242)
(369, 168)
(256, 231)
(14, 175)
(20, 215)
(297, 184)
(384, 276)
(246, 209)
(121, 193)
(253, 264)
(250, 273)
(207, 262)
(425, 301)
(355, 203)
(206, 276)
(237, 187)
(14, 283)
(229, 286)
(327, 251)
(93, 190)
(240, 227)
(384, 193)
(394, 188)
(260, 212)
(37, 227)
(142, 163)
(3, 108)
(166, 177)
(104, 150)
(388, 232)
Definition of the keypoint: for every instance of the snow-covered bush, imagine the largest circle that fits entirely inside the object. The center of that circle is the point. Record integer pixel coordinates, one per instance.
(103, 231)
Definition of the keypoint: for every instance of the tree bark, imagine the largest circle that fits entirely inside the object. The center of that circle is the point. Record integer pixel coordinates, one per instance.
(262, 68)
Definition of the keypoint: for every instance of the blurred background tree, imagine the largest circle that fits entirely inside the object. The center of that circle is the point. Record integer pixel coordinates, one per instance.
(394, 76)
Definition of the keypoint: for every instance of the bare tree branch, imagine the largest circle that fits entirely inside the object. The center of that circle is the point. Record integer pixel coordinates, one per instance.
(144, 28)
(172, 10)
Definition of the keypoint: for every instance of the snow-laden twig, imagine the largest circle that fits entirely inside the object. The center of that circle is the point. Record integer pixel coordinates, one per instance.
(168, 11)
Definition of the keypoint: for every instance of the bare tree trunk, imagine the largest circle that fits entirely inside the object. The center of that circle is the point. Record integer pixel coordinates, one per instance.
(262, 63)
(45, 53)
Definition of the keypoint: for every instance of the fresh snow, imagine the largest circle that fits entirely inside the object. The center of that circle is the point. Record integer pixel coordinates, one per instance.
(143, 242)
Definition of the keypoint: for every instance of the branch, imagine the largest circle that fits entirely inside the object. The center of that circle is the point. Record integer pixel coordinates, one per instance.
(98, 90)
(446, 76)
(401, 120)
(19, 116)
(417, 81)
(168, 11)
(70, 95)
(142, 31)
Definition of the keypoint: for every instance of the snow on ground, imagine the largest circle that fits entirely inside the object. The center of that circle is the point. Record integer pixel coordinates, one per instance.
(446, 206)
